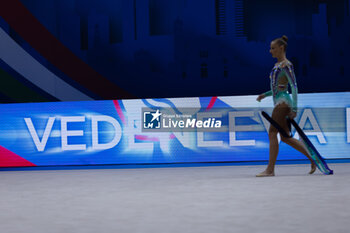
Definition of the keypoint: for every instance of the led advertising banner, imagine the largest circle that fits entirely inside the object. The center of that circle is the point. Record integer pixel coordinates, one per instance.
(174, 130)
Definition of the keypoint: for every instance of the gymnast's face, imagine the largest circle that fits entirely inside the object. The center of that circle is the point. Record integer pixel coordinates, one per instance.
(276, 50)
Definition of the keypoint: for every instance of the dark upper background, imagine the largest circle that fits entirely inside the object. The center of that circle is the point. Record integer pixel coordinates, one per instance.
(182, 48)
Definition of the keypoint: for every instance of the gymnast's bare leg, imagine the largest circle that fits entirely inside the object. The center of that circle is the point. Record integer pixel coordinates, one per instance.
(279, 114)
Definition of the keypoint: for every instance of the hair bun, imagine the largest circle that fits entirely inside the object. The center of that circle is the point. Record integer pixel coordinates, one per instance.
(284, 38)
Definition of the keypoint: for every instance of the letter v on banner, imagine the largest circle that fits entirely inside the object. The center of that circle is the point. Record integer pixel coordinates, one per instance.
(40, 145)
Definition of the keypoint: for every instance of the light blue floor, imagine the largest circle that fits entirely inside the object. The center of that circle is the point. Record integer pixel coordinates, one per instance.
(211, 199)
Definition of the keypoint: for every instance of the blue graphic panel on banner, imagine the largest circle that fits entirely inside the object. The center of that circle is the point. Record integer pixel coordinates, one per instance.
(115, 132)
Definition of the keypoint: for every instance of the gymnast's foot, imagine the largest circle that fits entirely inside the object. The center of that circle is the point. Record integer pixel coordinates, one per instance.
(265, 174)
(313, 168)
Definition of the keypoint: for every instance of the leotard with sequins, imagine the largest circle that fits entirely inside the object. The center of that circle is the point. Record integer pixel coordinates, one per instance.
(281, 75)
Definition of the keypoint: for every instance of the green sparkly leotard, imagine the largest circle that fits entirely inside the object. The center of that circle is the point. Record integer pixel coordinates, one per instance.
(282, 74)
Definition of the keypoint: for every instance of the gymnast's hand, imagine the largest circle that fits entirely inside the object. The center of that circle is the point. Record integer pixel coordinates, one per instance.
(292, 115)
(260, 97)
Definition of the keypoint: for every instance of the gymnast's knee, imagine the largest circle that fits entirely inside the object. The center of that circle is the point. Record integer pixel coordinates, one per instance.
(284, 139)
(273, 132)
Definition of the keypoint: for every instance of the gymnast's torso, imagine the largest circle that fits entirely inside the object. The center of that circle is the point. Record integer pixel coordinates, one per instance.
(281, 75)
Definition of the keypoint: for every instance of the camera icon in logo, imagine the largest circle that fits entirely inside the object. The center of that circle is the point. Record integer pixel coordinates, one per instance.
(151, 120)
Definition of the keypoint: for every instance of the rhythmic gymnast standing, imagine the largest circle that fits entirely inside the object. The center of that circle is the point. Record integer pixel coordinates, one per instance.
(281, 75)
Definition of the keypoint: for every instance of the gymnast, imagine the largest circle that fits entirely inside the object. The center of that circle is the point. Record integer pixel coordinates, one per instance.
(281, 75)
